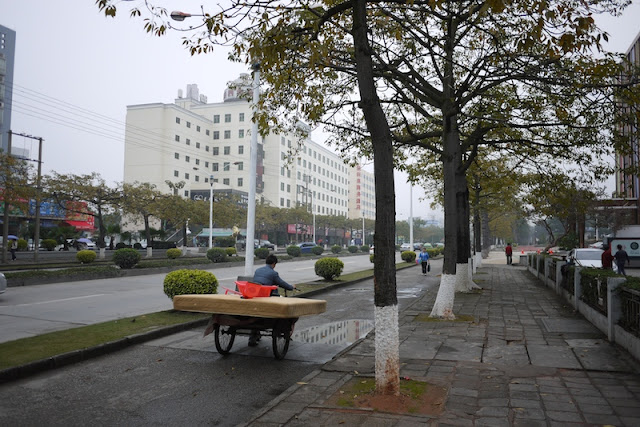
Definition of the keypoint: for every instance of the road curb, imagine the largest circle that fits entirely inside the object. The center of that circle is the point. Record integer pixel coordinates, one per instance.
(75, 356)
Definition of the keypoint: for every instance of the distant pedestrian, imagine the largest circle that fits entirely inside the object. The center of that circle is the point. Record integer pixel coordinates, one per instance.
(607, 258)
(423, 259)
(509, 252)
(13, 245)
(621, 256)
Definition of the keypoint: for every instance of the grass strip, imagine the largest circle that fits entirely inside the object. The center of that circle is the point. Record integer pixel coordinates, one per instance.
(25, 350)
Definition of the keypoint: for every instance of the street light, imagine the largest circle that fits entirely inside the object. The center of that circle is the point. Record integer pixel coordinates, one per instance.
(210, 211)
(253, 168)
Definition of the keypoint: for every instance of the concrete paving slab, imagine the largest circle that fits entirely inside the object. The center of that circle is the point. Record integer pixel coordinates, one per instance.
(419, 348)
(455, 349)
(553, 356)
(506, 354)
(561, 325)
(602, 358)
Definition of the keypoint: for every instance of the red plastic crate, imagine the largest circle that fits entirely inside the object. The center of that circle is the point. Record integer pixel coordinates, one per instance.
(252, 290)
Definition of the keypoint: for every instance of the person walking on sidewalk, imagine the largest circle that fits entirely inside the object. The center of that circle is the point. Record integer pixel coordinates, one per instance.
(607, 258)
(509, 252)
(423, 259)
(621, 256)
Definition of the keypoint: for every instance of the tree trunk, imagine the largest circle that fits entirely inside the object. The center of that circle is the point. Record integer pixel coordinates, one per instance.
(387, 344)
(464, 280)
(486, 233)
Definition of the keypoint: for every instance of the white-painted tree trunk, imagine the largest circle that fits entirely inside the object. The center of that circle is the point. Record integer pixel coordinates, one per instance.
(443, 307)
(464, 281)
(387, 345)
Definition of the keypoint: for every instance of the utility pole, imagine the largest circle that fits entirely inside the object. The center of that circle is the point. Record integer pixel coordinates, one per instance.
(5, 217)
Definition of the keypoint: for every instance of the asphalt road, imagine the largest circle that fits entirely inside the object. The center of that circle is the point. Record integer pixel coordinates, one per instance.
(182, 380)
(34, 310)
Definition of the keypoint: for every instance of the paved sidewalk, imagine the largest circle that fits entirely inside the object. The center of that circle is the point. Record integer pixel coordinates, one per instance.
(526, 359)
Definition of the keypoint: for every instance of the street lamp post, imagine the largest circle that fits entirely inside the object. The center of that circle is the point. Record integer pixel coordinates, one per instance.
(210, 211)
(363, 238)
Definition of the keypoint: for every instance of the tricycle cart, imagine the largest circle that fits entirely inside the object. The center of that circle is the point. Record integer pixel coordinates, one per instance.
(250, 310)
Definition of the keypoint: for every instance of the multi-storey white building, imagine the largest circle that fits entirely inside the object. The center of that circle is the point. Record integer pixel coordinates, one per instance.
(362, 189)
(192, 141)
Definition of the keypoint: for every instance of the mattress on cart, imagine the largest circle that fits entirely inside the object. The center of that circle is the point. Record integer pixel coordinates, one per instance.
(275, 307)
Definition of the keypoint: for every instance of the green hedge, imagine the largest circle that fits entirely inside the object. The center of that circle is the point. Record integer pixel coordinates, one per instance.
(365, 248)
(262, 253)
(49, 244)
(329, 268)
(408, 256)
(126, 258)
(217, 255)
(231, 251)
(294, 251)
(181, 282)
(86, 256)
(336, 249)
(317, 250)
(352, 249)
(173, 253)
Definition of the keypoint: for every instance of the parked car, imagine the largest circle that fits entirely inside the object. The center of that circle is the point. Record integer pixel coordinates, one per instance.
(305, 247)
(3, 283)
(263, 244)
(405, 246)
(586, 257)
(597, 245)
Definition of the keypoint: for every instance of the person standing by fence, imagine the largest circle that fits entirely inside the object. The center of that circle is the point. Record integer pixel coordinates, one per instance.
(621, 256)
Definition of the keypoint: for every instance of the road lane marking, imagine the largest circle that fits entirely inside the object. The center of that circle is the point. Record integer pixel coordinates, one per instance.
(55, 300)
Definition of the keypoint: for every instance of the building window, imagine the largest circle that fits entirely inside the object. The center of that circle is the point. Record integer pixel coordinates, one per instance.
(197, 145)
(227, 118)
(226, 166)
(216, 118)
(240, 133)
(241, 117)
(206, 165)
(216, 134)
(188, 141)
(282, 186)
(216, 151)
(188, 124)
(227, 134)
(240, 149)
(176, 174)
(176, 155)
(281, 201)
(207, 132)
(197, 178)
(240, 166)
(186, 159)
(288, 188)
(206, 179)
(178, 138)
(214, 167)
(240, 182)
(178, 120)
(225, 181)
(282, 140)
(197, 161)
(206, 148)
(198, 128)
(288, 203)
(186, 176)
(227, 150)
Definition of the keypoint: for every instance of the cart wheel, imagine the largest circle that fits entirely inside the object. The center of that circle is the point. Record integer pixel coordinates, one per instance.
(281, 337)
(224, 336)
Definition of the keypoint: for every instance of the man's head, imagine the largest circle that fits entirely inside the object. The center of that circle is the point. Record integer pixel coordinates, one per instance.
(271, 260)
(424, 249)
(619, 247)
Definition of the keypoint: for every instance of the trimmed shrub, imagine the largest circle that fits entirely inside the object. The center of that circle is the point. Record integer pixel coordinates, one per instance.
(352, 249)
(364, 248)
(317, 250)
(262, 253)
(329, 268)
(217, 254)
(181, 282)
(336, 249)
(294, 251)
(126, 257)
(371, 258)
(408, 256)
(86, 256)
(225, 242)
(231, 251)
(137, 245)
(22, 245)
(173, 253)
(49, 244)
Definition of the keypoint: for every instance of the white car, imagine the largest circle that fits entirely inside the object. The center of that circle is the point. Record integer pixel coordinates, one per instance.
(586, 257)
(3, 283)
(405, 246)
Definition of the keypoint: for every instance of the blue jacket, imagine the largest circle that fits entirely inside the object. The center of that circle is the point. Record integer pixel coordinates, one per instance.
(267, 276)
(423, 256)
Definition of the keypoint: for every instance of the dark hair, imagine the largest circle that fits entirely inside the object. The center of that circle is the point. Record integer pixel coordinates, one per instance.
(271, 259)
(620, 247)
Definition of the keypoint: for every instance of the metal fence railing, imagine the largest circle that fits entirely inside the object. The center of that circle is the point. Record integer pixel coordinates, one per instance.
(630, 302)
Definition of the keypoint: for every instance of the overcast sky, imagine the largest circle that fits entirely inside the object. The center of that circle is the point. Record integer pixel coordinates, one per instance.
(76, 71)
